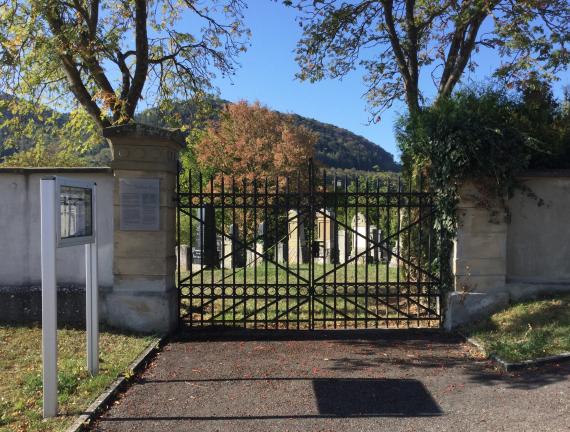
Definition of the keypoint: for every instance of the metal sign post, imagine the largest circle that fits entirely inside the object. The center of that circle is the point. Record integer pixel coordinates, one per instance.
(68, 218)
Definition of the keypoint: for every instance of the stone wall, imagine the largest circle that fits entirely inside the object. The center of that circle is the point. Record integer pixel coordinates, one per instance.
(20, 276)
(538, 239)
(509, 254)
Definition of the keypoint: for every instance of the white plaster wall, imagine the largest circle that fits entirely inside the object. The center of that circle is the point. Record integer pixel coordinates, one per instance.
(20, 228)
(538, 237)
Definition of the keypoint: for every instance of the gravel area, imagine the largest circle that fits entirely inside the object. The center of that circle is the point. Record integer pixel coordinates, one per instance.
(336, 381)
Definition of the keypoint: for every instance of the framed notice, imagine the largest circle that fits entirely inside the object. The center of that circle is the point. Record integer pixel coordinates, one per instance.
(139, 204)
(75, 202)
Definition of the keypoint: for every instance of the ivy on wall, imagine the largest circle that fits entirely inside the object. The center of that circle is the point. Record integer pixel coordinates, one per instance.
(468, 136)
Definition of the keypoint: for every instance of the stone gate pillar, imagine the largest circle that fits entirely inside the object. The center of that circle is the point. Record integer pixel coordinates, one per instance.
(144, 296)
(479, 261)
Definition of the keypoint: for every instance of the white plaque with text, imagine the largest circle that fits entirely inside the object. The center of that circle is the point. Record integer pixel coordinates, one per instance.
(140, 204)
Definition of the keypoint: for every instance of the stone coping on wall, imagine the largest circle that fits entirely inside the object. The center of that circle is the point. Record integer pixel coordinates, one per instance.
(56, 170)
(141, 129)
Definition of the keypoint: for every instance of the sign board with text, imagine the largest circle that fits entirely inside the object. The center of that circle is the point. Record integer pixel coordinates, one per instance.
(75, 207)
(139, 204)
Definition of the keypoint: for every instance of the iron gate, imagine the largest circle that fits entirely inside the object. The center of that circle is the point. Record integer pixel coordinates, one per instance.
(307, 251)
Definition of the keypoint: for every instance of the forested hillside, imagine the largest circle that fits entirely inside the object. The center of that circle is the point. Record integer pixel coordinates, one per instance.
(335, 148)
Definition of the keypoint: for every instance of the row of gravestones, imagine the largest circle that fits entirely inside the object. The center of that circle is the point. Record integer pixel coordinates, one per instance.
(331, 244)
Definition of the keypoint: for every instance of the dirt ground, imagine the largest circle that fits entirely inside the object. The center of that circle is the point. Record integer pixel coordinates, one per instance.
(336, 381)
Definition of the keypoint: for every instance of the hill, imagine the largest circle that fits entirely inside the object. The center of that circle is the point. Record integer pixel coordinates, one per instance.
(335, 148)
(340, 148)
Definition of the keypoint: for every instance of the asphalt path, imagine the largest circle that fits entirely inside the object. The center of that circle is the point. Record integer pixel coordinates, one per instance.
(336, 381)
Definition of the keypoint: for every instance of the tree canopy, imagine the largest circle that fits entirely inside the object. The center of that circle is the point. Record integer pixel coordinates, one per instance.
(252, 142)
(396, 40)
(110, 54)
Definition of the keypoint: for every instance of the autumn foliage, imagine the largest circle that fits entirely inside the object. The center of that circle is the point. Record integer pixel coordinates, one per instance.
(249, 141)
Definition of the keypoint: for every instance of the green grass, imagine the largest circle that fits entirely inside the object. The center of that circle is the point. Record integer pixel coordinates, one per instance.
(21, 381)
(528, 330)
(271, 273)
(363, 300)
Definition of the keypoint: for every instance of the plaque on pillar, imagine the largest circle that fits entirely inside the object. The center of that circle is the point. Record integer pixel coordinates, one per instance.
(139, 201)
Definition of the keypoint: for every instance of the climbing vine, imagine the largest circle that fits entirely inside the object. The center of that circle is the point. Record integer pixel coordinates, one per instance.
(469, 136)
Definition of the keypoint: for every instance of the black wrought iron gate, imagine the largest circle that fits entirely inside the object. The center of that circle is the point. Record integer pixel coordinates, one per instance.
(307, 251)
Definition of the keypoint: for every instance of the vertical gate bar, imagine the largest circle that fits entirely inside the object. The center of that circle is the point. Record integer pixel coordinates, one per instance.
(212, 284)
(409, 275)
(298, 245)
(429, 259)
(357, 240)
(366, 286)
(190, 242)
(313, 185)
(287, 285)
(235, 238)
(441, 252)
(276, 222)
(265, 254)
(390, 250)
(398, 252)
(224, 260)
(255, 257)
(378, 247)
(324, 263)
(420, 261)
(245, 242)
(336, 256)
(178, 269)
(202, 229)
(348, 232)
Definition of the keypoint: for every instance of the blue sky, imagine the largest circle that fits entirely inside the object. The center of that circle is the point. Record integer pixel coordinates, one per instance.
(267, 75)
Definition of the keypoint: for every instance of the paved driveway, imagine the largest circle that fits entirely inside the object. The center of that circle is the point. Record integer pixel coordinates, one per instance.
(336, 381)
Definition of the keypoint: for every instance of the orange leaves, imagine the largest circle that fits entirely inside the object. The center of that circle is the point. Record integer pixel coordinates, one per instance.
(250, 141)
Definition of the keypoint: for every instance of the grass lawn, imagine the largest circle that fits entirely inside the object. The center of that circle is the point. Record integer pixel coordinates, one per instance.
(21, 381)
(527, 330)
(355, 295)
(270, 273)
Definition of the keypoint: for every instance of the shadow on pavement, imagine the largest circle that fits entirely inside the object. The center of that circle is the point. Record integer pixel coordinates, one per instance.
(374, 398)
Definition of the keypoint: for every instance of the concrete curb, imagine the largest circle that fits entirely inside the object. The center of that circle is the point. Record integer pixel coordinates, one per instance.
(515, 366)
(84, 420)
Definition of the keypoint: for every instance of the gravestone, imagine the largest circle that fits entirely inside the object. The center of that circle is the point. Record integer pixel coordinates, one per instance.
(342, 246)
(326, 237)
(237, 250)
(281, 252)
(261, 244)
(394, 261)
(183, 257)
(296, 238)
(359, 235)
(206, 247)
(227, 249)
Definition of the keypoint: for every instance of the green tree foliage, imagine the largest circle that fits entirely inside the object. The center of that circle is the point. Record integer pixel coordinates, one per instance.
(469, 135)
(398, 40)
(546, 122)
(486, 135)
(101, 57)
